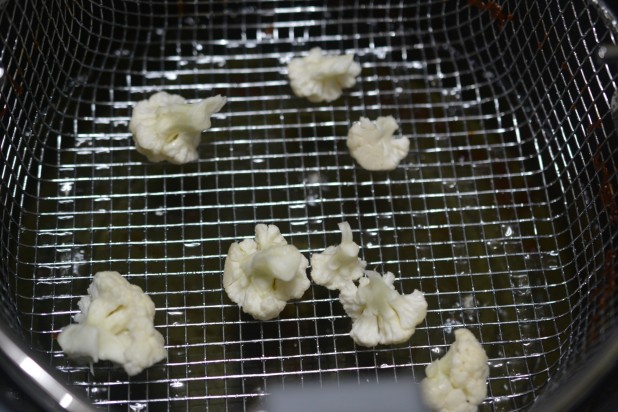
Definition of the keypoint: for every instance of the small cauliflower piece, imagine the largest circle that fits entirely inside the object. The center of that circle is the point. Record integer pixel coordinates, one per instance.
(458, 381)
(261, 275)
(373, 146)
(340, 264)
(380, 315)
(321, 78)
(115, 323)
(166, 127)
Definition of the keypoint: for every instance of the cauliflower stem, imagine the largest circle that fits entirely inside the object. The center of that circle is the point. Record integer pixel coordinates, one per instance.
(175, 119)
(338, 264)
(273, 263)
(262, 274)
(380, 315)
(166, 127)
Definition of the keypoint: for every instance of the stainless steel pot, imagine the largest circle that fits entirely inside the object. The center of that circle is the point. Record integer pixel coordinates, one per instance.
(504, 212)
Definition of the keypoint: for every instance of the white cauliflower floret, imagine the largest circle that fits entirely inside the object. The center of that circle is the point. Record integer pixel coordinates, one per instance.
(261, 275)
(457, 382)
(116, 324)
(373, 146)
(166, 127)
(321, 78)
(338, 264)
(380, 315)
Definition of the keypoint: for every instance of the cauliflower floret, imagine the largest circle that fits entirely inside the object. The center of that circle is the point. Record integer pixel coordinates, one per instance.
(457, 382)
(261, 275)
(380, 315)
(373, 146)
(338, 264)
(116, 324)
(321, 78)
(166, 127)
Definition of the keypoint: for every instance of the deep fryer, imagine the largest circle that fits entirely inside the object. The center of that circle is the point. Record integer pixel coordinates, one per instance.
(504, 213)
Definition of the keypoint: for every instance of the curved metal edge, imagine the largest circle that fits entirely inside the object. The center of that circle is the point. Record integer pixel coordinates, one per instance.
(609, 13)
(581, 383)
(44, 387)
(37, 380)
(569, 395)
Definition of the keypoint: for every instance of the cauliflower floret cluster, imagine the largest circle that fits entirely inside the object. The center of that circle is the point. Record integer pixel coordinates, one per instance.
(322, 78)
(261, 275)
(380, 315)
(457, 382)
(166, 127)
(339, 264)
(115, 323)
(373, 146)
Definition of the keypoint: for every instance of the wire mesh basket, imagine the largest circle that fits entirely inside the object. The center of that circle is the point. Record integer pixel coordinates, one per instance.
(503, 213)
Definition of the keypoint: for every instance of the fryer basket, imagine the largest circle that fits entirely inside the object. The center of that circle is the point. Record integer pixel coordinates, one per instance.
(503, 213)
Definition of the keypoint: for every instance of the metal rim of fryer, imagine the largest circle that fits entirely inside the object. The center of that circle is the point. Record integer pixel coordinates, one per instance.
(42, 383)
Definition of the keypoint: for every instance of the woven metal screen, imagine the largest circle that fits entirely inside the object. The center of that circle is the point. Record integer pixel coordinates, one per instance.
(503, 213)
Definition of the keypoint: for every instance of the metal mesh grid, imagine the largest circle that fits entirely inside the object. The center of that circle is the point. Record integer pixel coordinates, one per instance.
(497, 214)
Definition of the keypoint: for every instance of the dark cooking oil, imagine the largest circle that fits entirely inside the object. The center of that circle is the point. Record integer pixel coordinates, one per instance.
(467, 217)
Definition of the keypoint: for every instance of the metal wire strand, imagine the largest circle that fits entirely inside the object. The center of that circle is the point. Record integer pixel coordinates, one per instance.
(500, 213)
